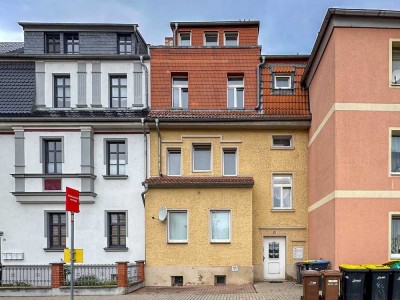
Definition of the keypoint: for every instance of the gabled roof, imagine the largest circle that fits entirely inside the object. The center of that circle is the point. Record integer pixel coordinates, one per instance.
(11, 47)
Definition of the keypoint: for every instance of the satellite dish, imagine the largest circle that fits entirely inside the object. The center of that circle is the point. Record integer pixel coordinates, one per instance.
(162, 213)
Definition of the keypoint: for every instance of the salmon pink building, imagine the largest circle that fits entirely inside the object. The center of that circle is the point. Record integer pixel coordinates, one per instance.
(354, 140)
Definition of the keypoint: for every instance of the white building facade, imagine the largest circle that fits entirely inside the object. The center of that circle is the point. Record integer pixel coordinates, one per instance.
(73, 102)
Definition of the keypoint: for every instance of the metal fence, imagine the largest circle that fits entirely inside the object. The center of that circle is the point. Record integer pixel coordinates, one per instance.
(91, 275)
(27, 275)
(132, 273)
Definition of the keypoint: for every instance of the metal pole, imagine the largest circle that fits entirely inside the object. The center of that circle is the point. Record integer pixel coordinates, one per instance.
(72, 256)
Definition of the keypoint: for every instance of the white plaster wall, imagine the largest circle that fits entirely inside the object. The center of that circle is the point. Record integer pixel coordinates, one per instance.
(108, 68)
(24, 224)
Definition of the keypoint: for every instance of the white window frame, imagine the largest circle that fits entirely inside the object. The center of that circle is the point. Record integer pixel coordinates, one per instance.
(180, 38)
(391, 216)
(187, 226)
(180, 87)
(283, 76)
(235, 88)
(168, 163)
(217, 241)
(282, 136)
(205, 38)
(231, 32)
(282, 186)
(391, 84)
(236, 160)
(211, 156)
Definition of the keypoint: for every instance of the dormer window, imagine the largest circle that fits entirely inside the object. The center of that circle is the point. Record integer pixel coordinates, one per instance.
(125, 44)
(282, 82)
(184, 39)
(71, 43)
(211, 39)
(231, 39)
(52, 42)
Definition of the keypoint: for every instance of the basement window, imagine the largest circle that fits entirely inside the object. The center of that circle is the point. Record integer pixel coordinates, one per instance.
(220, 279)
(176, 280)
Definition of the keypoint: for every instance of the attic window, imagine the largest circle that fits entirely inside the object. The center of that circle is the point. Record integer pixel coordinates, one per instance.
(282, 82)
(184, 39)
(231, 39)
(211, 39)
(52, 42)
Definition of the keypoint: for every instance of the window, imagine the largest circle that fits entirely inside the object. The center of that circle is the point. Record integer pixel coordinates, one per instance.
(118, 91)
(52, 156)
(273, 250)
(229, 162)
(395, 62)
(395, 237)
(52, 42)
(282, 82)
(116, 229)
(177, 226)
(57, 230)
(235, 92)
(174, 162)
(282, 141)
(71, 43)
(201, 158)
(184, 39)
(125, 44)
(395, 154)
(62, 91)
(282, 191)
(180, 92)
(211, 39)
(231, 39)
(220, 226)
(116, 158)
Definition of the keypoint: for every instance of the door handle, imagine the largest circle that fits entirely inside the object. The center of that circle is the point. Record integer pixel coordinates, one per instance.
(263, 258)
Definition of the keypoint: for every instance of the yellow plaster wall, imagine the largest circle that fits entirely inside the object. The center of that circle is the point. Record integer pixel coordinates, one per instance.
(257, 159)
(199, 251)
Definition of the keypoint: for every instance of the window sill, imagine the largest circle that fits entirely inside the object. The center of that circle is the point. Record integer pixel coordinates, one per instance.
(116, 249)
(282, 210)
(282, 148)
(115, 177)
(53, 250)
(179, 108)
(172, 242)
(216, 242)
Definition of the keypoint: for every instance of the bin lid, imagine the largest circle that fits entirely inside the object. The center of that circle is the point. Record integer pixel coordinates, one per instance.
(310, 273)
(331, 273)
(309, 261)
(352, 267)
(376, 267)
(320, 261)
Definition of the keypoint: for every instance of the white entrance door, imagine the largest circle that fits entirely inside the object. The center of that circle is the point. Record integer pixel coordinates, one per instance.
(274, 258)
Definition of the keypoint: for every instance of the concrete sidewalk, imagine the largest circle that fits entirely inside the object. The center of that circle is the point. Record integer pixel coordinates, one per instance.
(258, 291)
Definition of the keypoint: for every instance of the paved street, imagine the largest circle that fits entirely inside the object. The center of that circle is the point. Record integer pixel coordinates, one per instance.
(260, 291)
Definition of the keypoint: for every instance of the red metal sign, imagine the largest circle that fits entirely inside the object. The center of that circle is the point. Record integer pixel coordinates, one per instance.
(72, 200)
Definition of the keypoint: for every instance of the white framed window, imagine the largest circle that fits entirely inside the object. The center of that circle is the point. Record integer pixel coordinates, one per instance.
(174, 162)
(231, 38)
(235, 92)
(395, 236)
(177, 226)
(211, 38)
(282, 82)
(282, 191)
(229, 162)
(282, 142)
(185, 39)
(220, 226)
(395, 62)
(180, 92)
(395, 153)
(202, 158)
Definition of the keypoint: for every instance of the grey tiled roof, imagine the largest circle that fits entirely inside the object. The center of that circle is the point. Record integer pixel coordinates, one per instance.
(17, 87)
(11, 47)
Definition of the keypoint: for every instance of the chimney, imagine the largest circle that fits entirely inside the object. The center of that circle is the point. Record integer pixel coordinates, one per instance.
(169, 41)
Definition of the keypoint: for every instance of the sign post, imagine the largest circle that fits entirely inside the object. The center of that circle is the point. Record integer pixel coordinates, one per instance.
(72, 205)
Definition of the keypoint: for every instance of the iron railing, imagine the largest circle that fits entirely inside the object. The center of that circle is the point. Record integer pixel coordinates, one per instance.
(27, 275)
(91, 275)
(132, 273)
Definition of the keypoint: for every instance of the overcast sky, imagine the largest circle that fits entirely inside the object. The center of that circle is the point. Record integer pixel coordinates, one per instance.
(287, 26)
